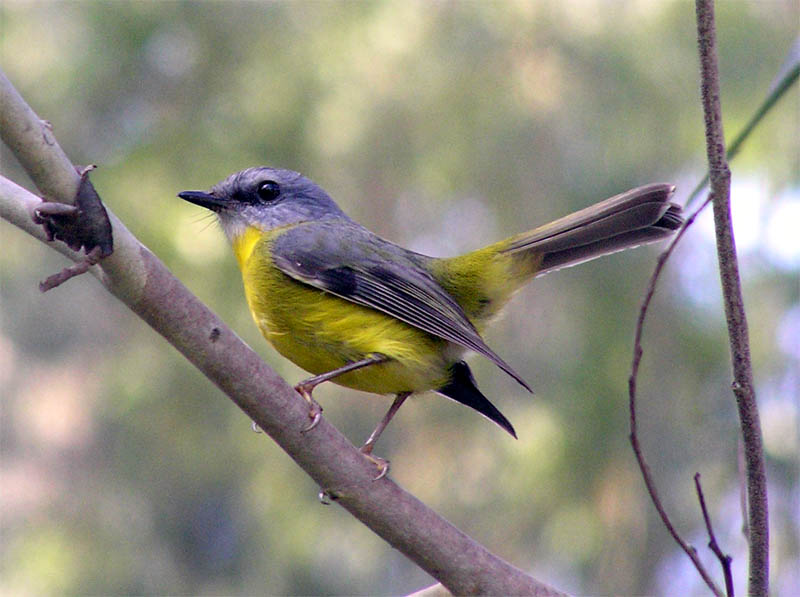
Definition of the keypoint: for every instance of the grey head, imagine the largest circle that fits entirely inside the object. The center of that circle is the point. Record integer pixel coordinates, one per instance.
(265, 198)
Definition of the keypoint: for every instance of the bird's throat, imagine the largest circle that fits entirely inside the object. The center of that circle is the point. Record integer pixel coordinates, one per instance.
(244, 244)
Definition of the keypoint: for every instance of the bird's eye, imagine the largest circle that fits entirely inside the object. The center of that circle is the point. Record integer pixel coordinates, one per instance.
(268, 190)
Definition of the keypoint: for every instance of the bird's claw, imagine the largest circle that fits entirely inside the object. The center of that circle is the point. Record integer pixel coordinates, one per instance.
(315, 414)
(381, 463)
(314, 409)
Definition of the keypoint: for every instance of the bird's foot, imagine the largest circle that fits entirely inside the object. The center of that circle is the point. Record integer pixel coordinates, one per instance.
(314, 409)
(381, 463)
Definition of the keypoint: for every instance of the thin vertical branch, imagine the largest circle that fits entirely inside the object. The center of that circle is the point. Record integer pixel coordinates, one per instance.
(743, 387)
(742, 472)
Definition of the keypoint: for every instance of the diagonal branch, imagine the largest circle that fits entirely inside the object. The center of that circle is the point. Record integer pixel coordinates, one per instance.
(136, 277)
(743, 387)
(788, 76)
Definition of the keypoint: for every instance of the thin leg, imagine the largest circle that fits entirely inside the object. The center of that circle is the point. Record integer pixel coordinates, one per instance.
(366, 449)
(398, 402)
(306, 387)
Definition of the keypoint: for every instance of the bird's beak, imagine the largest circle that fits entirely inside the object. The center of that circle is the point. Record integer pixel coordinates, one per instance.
(203, 199)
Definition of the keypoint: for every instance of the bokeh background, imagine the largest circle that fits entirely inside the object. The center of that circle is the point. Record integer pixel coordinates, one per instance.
(441, 126)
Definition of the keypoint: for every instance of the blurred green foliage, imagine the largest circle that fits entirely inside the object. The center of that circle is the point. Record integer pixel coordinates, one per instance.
(441, 126)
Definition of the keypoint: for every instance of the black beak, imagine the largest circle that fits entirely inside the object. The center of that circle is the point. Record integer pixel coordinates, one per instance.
(203, 199)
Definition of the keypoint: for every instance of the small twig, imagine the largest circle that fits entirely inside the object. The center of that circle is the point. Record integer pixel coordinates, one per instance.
(634, 438)
(92, 258)
(724, 559)
(783, 82)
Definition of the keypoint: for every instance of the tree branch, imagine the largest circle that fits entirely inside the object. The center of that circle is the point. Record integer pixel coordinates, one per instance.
(788, 76)
(724, 559)
(743, 387)
(634, 436)
(136, 277)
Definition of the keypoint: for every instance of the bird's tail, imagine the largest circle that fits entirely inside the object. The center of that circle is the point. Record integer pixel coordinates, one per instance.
(636, 217)
(483, 280)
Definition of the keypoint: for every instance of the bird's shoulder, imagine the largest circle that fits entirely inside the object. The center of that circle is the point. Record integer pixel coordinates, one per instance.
(339, 242)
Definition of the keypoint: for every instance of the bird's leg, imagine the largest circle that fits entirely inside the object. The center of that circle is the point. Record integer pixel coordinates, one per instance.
(366, 449)
(306, 387)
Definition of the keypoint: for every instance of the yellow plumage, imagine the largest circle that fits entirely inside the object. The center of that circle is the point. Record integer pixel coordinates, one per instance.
(321, 332)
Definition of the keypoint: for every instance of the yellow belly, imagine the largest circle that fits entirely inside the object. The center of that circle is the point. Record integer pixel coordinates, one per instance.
(321, 332)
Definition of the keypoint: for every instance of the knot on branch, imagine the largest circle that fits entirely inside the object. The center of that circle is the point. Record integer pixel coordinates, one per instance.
(82, 226)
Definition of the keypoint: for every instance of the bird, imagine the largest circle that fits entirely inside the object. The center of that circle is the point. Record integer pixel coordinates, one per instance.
(355, 309)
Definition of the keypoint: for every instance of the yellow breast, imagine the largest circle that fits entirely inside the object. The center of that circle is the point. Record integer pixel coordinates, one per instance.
(321, 332)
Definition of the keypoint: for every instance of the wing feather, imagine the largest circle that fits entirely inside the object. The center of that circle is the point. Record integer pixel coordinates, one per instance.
(374, 273)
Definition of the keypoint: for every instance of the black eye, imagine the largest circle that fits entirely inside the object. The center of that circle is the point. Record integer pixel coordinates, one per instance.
(268, 190)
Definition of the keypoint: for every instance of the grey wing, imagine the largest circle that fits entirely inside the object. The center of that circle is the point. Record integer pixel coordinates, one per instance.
(372, 272)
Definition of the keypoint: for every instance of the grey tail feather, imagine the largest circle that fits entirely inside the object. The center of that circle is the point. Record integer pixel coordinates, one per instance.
(639, 216)
(659, 230)
(462, 388)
